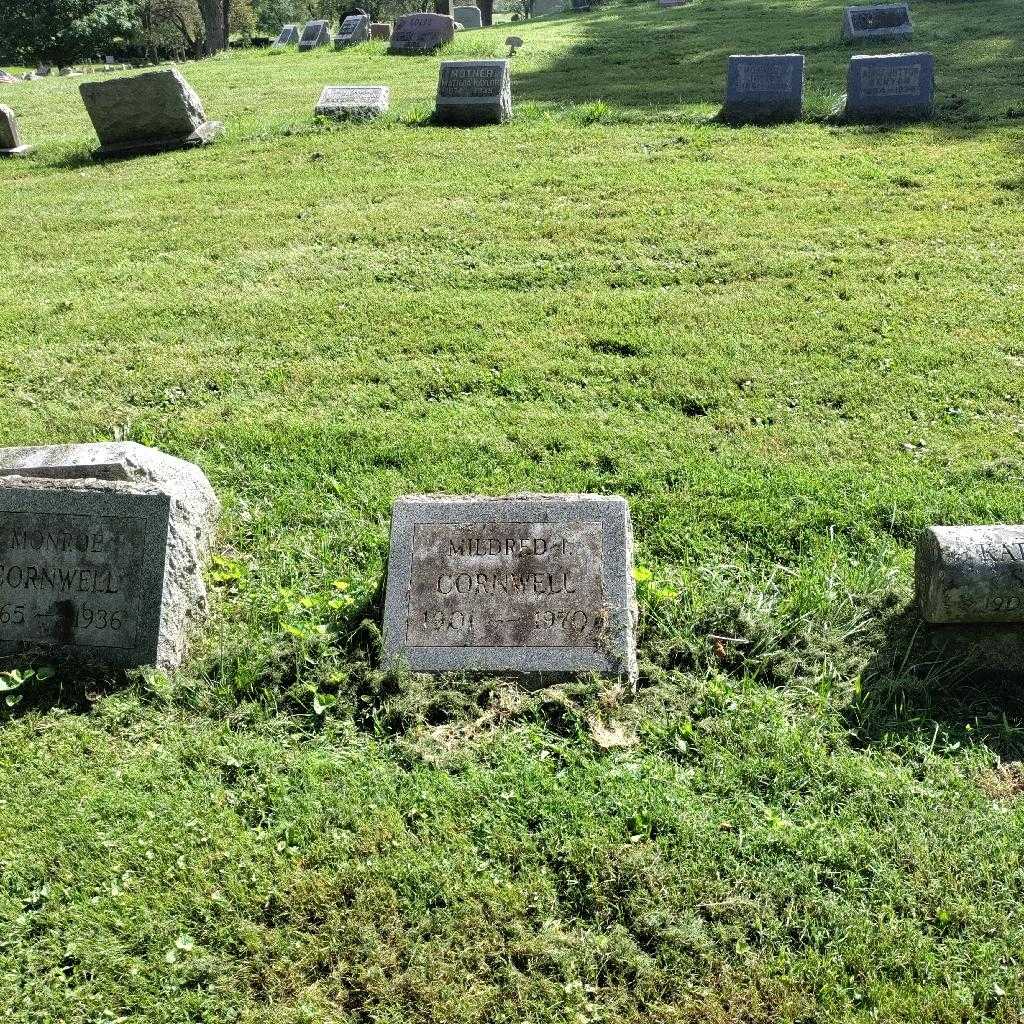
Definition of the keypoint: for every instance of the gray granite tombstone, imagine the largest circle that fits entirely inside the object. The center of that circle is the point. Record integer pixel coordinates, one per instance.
(581, 5)
(672, 3)
(469, 17)
(765, 88)
(380, 30)
(421, 33)
(356, 102)
(316, 33)
(101, 552)
(354, 29)
(10, 137)
(522, 584)
(877, 21)
(892, 87)
(473, 92)
(147, 113)
(288, 36)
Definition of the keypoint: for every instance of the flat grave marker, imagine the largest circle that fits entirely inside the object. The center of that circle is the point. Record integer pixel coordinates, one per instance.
(471, 92)
(421, 33)
(380, 30)
(891, 87)
(356, 102)
(877, 21)
(764, 88)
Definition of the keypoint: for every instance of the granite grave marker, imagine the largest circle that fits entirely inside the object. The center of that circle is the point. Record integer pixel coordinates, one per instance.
(878, 21)
(357, 102)
(289, 36)
(892, 87)
(316, 33)
(10, 137)
(469, 17)
(421, 33)
(354, 29)
(473, 92)
(380, 30)
(764, 88)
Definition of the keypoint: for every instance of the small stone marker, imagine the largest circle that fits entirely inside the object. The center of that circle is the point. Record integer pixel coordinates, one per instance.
(581, 5)
(421, 33)
(878, 21)
(10, 138)
(513, 43)
(522, 584)
(355, 29)
(358, 102)
(101, 552)
(43, 70)
(970, 574)
(288, 36)
(147, 113)
(765, 88)
(380, 30)
(6, 78)
(893, 87)
(469, 17)
(473, 92)
(672, 3)
(316, 33)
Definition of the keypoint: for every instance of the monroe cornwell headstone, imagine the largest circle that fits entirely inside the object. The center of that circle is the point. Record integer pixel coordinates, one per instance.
(522, 584)
(877, 21)
(146, 113)
(473, 92)
(316, 33)
(765, 87)
(354, 29)
(358, 102)
(10, 137)
(101, 551)
(421, 33)
(898, 86)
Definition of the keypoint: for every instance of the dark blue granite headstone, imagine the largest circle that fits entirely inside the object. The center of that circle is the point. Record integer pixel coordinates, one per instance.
(765, 87)
(892, 87)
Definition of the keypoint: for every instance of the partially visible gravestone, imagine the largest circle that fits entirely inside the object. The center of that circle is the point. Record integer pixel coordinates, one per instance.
(893, 87)
(10, 136)
(421, 33)
(970, 574)
(43, 70)
(147, 113)
(316, 33)
(513, 43)
(765, 88)
(672, 3)
(289, 36)
(581, 5)
(523, 584)
(354, 29)
(101, 552)
(380, 30)
(878, 21)
(469, 17)
(357, 102)
(473, 92)
(6, 78)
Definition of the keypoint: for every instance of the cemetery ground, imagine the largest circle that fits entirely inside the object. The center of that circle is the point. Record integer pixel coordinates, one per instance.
(789, 348)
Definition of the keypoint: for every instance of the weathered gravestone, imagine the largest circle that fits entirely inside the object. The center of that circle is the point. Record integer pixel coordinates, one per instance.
(522, 584)
(765, 88)
(357, 102)
(288, 36)
(10, 137)
(878, 21)
(6, 78)
(469, 17)
(380, 30)
(581, 5)
(43, 70)
(354, 29)
(672, 3)
(421, 33)
(473, 92)
(893, 87)
(147, 113)
(101, 552)
(316, 33)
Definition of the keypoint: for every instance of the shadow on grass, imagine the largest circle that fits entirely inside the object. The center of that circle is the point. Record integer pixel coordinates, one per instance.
(640, 55)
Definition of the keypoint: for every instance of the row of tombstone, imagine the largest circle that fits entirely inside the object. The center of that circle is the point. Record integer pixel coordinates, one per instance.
(102, 550)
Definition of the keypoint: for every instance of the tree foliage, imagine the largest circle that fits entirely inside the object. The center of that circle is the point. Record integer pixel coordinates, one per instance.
(60, 31)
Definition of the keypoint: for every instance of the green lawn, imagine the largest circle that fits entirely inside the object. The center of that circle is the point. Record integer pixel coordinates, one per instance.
(789, 348)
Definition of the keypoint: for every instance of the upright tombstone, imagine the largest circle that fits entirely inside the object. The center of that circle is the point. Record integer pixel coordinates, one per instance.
(353, 102)
(147, 113)
(354, 29)
(580, 6)
(893, 87)
(469, 17)
(764, 88)
(523, 584)
(380, 30)
(473, 92)
(421, 33)
(101, 552)
(877, 21)
(43, 70)
(288, 36)
(316, 33)
(10, 137)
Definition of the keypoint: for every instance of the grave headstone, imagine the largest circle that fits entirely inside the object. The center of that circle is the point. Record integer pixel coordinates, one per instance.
(356, 102)
(421, 33)
(354, 29)
(6, 78)
(288, 36)
(892, 87)
(316, 33)
(108, 61)
(380, 30)
(147, 113)
(673, 3)
(522, 584)
(10, 137)
(101, 552)
(473, 92)
(765, 88)
(877, 21)
(469, 17)
(43, 70)
(581, 5)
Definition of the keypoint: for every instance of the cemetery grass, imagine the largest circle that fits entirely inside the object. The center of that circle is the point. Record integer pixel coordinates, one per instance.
(789, 348)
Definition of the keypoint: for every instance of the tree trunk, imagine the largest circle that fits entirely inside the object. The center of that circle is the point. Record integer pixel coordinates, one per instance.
(487, 12)
(443, 7)
(213, 22)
